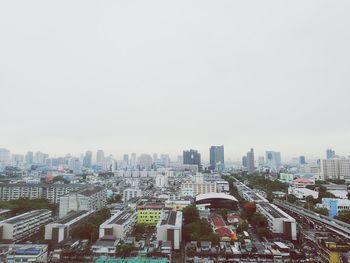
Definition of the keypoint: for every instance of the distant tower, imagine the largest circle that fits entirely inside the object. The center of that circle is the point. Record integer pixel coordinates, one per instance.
(192, 157)
(100, 156)
(330, 154)
(217, 156)
(87, 162)
(244, 161)
(250, 160)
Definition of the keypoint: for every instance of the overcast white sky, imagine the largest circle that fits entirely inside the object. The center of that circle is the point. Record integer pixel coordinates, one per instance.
(163, 76)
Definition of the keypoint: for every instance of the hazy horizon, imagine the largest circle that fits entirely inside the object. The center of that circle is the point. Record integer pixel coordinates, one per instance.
(159, 76)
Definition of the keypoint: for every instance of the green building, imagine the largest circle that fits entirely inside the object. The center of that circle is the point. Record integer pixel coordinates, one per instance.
(149, 214)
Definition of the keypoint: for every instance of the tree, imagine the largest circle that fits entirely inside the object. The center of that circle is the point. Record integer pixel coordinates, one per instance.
(344, 216)
(60, 178)
(321, 211)
(190, 214)
(249, 209)
(291, 198)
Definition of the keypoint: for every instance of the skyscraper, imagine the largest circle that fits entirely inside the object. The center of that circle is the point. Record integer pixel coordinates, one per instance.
(250, 160)
(330, 153)
(216, 156)
(87, 162)
(100, 157)
(244, 161)
(192, 157)
(126, 159)
(273, 160)
(302, 160)
(29, 157)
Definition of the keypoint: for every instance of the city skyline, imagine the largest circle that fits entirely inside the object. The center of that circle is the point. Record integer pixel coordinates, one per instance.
(125, 77)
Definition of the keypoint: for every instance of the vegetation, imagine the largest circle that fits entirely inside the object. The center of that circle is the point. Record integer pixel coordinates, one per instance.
(114, 199)
(60, 179)
(23, 205)
(344, 216)
(196, 229)
(291, 198)
(90, 229)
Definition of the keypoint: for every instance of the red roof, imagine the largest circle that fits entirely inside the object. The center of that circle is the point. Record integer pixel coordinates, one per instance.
(217, 220)
(302, 180)
(224, 232)
(233, 216)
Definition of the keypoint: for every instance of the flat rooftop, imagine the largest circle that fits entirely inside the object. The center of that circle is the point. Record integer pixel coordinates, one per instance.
(121, 218)
(70, 217)
(28, 215)
(170, 219)
(272, 210)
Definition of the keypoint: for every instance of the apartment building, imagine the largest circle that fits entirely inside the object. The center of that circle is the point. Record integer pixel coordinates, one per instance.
(89, 199)
(130, 193)
(119, 225)
(190, 188)
(59, 230)
(52, 192)
(335, 169)
(20, 227)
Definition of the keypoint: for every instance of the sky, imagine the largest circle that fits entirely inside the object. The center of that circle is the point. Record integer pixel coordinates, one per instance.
(163, 76)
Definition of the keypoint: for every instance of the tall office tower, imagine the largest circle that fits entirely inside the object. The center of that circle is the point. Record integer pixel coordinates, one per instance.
(40, 157)
(29, 157)
(244, 161)
(145, 161)
(330, 153)
(110, 164)
(302, 160)
(155, 158)
(192, 157)
(165, 160)
(17, 159)
(5, 157)
(335, 169)
(217, 156)
(100, 158)
(87, 162)
(250, 161)
(133, 160)
(126, 159)
(75, 165)
(273, 160)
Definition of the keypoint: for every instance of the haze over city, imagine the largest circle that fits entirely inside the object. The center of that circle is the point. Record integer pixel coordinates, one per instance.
(162, 76)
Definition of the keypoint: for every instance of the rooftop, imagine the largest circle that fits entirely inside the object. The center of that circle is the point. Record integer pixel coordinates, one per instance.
(273, 211)
(121, 218)
(70, 217)
(25, 216)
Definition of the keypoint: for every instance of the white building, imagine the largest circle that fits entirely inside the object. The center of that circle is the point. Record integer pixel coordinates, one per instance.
(21, 227)
(302, 193)
(280, 223)
(89, 199)
(169, 228)
(119, 225)
(5, 157)
(130, 193)
(190, 188)
(273, 160)
(161, 180)
(335, 169)
(59, 230)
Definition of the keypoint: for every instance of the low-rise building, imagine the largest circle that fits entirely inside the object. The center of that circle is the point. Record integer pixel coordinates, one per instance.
(60, 230)
(105, 246)
(149, 214)
(335, 205)
(177, 205)
(190, 188)
(302, 193)
(169, 228)
(27, 253)
(119, 225)
(280, 223)
(23, 226)
(302, 183)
